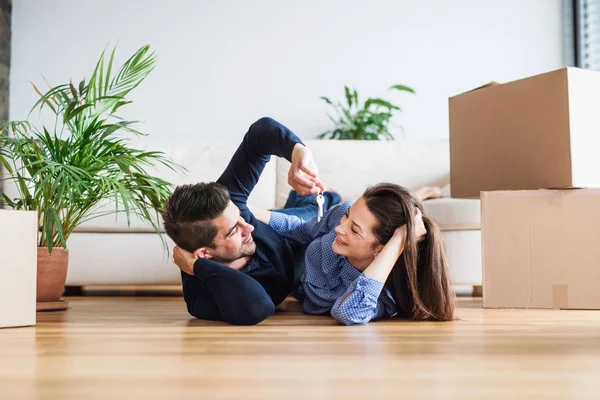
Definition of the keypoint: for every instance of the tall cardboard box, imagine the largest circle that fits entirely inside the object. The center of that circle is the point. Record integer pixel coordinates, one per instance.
(18, 267)
(541, 249)
(535, 133)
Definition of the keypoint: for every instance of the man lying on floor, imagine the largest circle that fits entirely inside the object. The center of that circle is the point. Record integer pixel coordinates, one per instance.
(243, 268)
(237, 265)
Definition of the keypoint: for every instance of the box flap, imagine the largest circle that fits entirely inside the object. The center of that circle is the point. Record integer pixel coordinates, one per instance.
(487, 85)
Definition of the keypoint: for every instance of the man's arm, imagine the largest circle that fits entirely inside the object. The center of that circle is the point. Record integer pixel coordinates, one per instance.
(267, 137)
(227, 295)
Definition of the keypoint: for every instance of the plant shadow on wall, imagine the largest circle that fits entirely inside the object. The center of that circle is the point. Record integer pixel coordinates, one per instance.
(369, 121)
(69, 171)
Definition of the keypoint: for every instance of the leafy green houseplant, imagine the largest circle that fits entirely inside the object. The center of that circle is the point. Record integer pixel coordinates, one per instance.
(367, 121)
(69, 170)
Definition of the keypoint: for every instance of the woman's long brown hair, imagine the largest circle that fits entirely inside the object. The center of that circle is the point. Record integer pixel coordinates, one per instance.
(420, 280)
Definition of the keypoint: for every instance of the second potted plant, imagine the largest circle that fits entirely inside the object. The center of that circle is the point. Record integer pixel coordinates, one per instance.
(367, 121)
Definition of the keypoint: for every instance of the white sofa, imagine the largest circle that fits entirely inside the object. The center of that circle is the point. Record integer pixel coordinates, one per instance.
(105, 251)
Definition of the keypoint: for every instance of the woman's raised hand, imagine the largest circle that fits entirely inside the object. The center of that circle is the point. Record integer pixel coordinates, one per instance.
(418, 226)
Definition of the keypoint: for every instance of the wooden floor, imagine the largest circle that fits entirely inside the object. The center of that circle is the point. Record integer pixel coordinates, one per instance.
(149, 348)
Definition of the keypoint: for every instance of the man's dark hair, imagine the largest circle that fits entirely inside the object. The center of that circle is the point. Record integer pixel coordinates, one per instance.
(189, 212)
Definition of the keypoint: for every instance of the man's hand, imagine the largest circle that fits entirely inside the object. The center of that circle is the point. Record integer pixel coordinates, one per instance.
(184, 260)
(303, 175)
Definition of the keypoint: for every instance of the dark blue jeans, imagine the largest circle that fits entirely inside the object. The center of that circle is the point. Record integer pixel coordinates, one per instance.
(305, 206)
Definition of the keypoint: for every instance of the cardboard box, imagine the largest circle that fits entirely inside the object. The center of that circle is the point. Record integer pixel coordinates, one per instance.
(18, 267)
(536, 133)
(541, 249)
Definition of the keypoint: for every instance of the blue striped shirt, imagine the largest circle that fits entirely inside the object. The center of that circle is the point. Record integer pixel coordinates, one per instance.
(329, 278)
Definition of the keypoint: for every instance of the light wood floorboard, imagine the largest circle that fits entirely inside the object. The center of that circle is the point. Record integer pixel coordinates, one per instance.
(150, 348)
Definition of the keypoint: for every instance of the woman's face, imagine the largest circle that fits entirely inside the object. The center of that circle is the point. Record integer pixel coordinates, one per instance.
(355, 239)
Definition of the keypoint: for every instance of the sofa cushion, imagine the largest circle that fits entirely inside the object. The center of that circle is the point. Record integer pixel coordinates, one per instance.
(204, 163)
(349, 166)
(455, 214)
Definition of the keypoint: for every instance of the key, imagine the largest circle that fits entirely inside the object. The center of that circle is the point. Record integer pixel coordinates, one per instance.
(320, 203)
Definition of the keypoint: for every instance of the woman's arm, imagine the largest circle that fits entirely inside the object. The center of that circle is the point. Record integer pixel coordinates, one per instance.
(360, 303)
(304, 232)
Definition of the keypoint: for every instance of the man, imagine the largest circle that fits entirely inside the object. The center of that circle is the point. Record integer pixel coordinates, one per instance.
(243, 269)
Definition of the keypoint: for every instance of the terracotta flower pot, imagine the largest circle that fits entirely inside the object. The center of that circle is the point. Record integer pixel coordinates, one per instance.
(51, 277)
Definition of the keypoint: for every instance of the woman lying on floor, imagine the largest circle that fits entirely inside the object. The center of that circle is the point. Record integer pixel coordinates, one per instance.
(381, 256)
(375, 258)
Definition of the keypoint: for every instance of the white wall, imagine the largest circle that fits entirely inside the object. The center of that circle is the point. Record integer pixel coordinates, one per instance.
(222, 64)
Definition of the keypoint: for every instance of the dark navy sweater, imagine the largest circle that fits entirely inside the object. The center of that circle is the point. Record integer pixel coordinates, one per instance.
(248, 296)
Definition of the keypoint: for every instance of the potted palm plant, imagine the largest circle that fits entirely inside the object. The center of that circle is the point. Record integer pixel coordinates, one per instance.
(367, 121)
(68, 171)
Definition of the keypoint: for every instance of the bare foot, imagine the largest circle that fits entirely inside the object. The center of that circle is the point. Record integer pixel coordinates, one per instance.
(446, 191)
(428, 192)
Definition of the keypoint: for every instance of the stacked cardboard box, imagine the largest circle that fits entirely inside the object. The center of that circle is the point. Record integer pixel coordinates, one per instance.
(530, 149)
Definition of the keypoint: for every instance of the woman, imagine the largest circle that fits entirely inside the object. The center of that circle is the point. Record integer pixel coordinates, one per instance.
(381, 256)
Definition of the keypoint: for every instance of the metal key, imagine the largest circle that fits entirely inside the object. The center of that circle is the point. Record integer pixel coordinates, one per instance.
(320, 203)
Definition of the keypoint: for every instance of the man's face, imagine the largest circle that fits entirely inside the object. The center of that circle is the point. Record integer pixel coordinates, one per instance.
(234, 239)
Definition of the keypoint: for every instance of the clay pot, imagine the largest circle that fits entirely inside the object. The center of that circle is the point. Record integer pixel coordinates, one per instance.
(51, 273)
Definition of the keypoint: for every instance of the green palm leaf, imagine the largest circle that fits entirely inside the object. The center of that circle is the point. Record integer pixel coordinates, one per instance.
(402, 88)
(68, 176)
